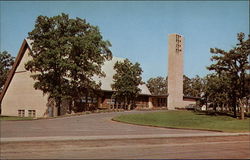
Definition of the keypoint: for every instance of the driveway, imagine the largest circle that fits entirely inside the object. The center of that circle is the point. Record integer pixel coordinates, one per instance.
(96, 136)
(97, 124)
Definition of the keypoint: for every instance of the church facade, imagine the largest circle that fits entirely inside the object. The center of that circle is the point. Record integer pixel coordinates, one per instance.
(19, 98)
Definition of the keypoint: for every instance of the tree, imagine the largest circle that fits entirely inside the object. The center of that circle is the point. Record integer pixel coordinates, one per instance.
(247, 85)
(197, 86)
(66, 54)
(6, 62)
(158, 86)
(216, 90)
(126, 82)
(234, 64)
(192, 87)
(187, 86)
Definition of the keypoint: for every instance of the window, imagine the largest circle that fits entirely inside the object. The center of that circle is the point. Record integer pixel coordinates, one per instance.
(89, 100)
(21, 112)
(83, 99)
(32, 113)
(29, 113)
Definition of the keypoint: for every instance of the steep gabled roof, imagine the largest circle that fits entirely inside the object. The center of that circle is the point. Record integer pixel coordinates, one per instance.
(107, 68)
(106, 81)
(14, 67)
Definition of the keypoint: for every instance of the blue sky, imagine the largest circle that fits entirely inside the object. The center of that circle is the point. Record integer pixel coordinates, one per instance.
(138, 29)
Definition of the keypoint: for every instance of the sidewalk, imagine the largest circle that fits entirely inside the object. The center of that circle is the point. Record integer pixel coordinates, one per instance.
(117, 137)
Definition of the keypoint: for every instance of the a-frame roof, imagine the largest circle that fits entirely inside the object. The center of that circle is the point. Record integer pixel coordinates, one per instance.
(19, 57)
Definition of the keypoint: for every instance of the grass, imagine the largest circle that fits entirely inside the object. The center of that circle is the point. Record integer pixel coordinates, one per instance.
(187, 120)
(13, 118)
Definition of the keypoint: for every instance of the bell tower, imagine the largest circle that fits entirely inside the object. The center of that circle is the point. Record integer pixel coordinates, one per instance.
(175, 71)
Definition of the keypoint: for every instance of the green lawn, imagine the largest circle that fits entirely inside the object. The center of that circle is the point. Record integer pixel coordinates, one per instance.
(3, 118)
(187, 119)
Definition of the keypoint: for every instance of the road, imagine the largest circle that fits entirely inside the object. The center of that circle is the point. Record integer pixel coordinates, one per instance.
(228, 147)
(96, 136)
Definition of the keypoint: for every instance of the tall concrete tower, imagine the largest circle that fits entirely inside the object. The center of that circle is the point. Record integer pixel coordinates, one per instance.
(175, 71)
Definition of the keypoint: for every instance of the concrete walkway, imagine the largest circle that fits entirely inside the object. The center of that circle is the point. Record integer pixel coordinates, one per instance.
(118, 137)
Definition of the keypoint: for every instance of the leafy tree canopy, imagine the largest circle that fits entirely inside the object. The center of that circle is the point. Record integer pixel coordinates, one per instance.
(126, 81)
(191, 86)
(197, 86)
(6, 62)
(187, 86)
(66, 54)
(158, 86)
(216, 90)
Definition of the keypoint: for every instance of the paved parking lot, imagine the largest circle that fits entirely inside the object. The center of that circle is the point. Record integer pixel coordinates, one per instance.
(85, 125)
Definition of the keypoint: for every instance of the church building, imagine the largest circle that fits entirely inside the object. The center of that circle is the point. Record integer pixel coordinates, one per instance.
(19, 98)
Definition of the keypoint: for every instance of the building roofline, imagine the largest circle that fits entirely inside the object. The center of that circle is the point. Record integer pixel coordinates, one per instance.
(166, 95)
(14, 67)
(27, 44)
(140, 94)
(161, 95)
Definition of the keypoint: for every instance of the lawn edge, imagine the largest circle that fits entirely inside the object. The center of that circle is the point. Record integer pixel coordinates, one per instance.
(176, 127)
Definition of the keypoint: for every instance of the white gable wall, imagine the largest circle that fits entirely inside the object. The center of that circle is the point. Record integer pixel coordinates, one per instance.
(21, 94)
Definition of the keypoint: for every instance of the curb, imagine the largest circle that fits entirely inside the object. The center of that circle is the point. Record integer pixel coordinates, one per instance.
(149, 125)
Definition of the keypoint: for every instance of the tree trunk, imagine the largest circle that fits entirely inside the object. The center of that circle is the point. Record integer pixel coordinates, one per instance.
(214, 106)
(247, 105)
(126, 103)
(206, 104)
(234, 107)
(86, 103)
(242, 110)
(71, 103)
(58, 106)
(129, 105)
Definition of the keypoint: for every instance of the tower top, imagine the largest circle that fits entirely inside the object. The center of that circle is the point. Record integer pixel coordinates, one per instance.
(175, 34)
